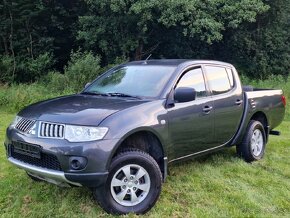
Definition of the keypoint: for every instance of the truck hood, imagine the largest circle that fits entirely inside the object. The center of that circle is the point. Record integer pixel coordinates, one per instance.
(78, 109)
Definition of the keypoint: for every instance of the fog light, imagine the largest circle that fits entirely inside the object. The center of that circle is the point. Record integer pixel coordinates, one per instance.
(77, 163)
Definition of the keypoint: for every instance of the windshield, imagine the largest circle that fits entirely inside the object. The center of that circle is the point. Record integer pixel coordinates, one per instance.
(143, 81)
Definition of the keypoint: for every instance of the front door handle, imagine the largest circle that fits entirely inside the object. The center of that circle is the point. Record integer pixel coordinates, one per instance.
(239, 102)
(207, 109)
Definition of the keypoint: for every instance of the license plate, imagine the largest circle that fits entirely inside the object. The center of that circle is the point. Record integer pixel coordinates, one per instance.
(26, 149)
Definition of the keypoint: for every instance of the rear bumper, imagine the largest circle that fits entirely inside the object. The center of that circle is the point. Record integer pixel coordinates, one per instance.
(60, 178)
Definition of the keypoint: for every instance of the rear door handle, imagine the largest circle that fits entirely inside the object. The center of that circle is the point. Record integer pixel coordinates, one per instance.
(239, 102)
(207, 109)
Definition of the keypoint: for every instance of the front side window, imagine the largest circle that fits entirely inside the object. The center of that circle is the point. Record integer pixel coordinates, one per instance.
(231, 77)
(143, 81)
(193, 79)
(218, 79)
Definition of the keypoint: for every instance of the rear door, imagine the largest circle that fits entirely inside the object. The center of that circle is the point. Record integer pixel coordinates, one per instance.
(191, 123)
(227, 99)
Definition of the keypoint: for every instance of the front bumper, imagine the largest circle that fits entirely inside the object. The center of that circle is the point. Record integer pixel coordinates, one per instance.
(93, 174)
(52, 176)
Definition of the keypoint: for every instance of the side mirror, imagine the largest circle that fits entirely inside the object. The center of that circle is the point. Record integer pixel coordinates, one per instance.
(184, 94)
(87, 85)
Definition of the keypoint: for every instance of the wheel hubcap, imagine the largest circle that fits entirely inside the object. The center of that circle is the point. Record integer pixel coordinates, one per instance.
(257, 142)
(130, 185)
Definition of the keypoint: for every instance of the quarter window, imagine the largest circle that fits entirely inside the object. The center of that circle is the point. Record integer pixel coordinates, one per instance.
(218, 79)
(193, 79)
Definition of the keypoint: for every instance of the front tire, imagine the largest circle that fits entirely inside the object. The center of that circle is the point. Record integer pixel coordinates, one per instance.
(133, 184)
(253, 145)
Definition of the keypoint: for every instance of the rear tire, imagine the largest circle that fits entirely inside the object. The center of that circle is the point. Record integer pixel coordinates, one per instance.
(133, 184)
(253, 144)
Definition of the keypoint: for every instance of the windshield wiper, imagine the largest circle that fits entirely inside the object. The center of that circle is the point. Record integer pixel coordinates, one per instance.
(118, 94)
(95, 93)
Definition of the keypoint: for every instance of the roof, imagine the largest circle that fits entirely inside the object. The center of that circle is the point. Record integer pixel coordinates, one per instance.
(175, 62)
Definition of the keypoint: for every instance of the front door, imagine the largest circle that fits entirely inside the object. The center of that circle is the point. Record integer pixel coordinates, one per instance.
(191, 126)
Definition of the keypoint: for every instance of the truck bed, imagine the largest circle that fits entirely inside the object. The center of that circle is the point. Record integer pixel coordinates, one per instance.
(268, 101)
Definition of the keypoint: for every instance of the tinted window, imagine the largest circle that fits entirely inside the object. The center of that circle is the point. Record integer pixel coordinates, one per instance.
(218, 79)
(193, 79)
(134, 80)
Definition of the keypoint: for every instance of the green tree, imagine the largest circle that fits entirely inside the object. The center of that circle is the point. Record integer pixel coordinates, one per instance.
(261, 48)
(129, 27)
(33, 31)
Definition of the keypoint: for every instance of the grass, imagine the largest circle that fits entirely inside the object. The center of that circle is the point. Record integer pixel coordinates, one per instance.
(217, 185)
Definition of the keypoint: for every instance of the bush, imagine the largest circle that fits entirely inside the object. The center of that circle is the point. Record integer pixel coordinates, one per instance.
(32, 69)
(40, 65)
(6, 69)
(56, 82)
(18, 96)
(81, 69)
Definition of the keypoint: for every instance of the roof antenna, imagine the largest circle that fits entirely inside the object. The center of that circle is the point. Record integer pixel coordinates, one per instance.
(145, 61)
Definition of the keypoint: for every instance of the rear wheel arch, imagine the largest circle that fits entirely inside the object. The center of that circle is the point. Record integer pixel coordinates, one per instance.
(252, 147)
(262, 118)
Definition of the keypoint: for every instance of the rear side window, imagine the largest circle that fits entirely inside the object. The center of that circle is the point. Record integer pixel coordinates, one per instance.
(218, 79)
(193, 79)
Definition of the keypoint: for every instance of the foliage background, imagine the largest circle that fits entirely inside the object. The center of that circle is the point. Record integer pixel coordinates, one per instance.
(37, 37)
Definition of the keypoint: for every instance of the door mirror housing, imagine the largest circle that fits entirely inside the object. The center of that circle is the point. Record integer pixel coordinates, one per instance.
(87, 85)
(184, 94)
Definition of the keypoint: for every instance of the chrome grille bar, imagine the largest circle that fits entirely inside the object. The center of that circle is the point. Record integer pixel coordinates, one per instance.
(55, 132)
(51, 130)
(60, 130)
(25, 124)
(46, 129)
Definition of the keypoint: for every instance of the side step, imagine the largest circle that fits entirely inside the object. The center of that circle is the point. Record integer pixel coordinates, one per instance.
(274, 132)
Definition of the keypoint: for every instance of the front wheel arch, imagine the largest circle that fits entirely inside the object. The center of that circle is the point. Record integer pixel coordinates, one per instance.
(144, 140)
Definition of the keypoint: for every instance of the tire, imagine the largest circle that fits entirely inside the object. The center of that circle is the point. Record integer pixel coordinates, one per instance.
(146, 187)
(253, 144)
(33, 177)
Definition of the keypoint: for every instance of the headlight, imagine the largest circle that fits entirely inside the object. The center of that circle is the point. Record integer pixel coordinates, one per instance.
(84, 133)
(15, 121)
(32, 130)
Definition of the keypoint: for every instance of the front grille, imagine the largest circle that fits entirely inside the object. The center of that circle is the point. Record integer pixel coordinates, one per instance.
(51, 130)
(25, 124)
(48, 161)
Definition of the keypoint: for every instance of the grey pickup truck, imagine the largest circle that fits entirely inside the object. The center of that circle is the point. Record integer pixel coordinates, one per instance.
(120, 133)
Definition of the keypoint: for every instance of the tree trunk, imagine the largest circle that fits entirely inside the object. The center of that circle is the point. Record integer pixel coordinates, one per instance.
(138, 52)
(31, 45)
(11, 42)
(30, 39)
(5, 44)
